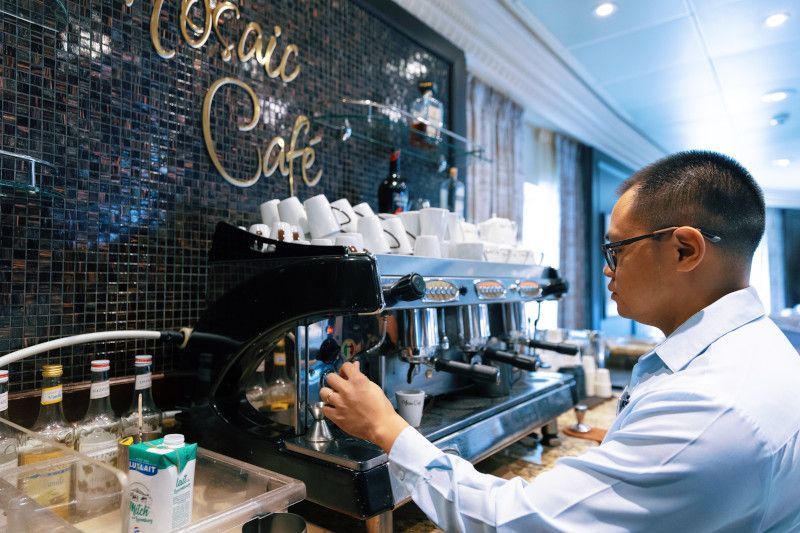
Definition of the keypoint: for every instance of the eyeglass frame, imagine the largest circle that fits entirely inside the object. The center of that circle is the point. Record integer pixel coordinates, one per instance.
(609, 249)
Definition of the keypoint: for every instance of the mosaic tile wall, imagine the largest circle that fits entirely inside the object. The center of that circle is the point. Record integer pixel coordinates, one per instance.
(122, 243)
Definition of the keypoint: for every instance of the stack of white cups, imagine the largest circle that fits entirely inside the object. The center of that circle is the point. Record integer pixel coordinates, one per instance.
(589, 371)
(602, 383)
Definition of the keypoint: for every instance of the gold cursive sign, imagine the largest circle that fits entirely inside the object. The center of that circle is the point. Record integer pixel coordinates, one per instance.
(276, 156)
(252, 44)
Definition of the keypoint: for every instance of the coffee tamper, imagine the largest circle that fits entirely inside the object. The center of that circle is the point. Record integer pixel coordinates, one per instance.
(319, 432)
(580, 413)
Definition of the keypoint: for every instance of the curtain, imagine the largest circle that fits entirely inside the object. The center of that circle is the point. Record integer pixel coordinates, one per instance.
(774, 236)
(574, 309)
(495, 122)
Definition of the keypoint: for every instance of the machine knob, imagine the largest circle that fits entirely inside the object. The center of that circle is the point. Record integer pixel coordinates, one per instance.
(555, 290)
(407, 289)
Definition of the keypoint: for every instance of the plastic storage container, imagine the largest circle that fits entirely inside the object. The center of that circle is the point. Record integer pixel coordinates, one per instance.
(227, 493)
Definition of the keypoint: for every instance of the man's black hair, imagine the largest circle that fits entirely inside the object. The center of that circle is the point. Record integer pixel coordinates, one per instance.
(707, 190)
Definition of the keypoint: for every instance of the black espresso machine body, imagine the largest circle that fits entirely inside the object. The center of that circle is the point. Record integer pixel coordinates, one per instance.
(330, 305)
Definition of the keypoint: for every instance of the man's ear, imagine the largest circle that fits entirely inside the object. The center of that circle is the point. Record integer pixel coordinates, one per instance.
(690, 248)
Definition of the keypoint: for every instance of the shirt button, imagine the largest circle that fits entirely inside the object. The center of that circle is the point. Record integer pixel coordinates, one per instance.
(402, 475)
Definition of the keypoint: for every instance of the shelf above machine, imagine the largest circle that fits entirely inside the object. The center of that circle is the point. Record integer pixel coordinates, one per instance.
(392, 127)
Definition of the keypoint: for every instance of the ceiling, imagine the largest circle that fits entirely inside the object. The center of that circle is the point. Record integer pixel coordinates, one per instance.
(690, 74)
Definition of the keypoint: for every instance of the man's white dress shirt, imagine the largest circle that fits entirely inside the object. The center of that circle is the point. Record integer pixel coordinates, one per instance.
(709, 441)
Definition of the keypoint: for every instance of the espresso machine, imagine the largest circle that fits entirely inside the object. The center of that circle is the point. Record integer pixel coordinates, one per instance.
(459, 330)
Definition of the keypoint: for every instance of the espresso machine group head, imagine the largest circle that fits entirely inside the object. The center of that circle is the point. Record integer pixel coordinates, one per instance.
(413, 322)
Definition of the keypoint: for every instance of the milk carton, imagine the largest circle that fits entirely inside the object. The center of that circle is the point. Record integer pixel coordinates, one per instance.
(161, 480)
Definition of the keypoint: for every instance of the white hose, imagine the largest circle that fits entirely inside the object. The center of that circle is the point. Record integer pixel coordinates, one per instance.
(77, 339)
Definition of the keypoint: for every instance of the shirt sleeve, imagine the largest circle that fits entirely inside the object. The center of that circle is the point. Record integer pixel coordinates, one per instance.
(677, 462)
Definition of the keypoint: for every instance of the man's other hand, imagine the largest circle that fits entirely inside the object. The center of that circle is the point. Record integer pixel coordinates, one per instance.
(359, 407)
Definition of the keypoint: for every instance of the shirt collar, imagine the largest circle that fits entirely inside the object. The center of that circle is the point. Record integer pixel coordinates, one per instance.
(730, 312)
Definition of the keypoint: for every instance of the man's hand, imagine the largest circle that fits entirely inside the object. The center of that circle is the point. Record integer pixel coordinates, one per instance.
(360, 407)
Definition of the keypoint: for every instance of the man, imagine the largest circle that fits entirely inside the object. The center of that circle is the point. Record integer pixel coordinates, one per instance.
(708, 433)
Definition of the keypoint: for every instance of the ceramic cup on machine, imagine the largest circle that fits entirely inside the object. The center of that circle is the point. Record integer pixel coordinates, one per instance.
(472, 251)
(411, 222)
(427, 246)
(363, 210)
(433, 221)
(352, 241)
(396, 233)
(269, 212)
(321, 220)
(455, 232)
(602, 383)
(322, 242)
(345, 215)
(281, 231)
(375, 240)
(292, 211)
(262, 230)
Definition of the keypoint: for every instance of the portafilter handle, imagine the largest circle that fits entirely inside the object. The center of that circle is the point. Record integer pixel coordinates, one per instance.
(522, 362)
(476, 372)
(560, 347)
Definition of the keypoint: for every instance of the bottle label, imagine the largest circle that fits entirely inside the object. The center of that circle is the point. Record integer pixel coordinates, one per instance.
(49, 487)
(399, 202)
(91, 489)
(280, 359)
(144, 381)
(3, 402)
(51, 395)
(99, 389)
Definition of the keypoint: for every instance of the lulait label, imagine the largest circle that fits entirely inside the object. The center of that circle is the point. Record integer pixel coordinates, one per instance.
(51, 395)
(144, 381)
(100, 389)
(3, 402)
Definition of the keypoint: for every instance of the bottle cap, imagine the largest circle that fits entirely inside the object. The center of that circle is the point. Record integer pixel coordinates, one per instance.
(3, 376)
(174, 440)
(453, 172)
(52, 371)
(143, 360)
(101, 365)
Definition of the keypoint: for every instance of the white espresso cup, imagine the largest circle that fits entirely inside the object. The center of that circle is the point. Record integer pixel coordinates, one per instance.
(262, 230)
(396, 235)
(371, 229)
(427, 246)
(433, 221)
(292, 211)
(321, 220)
(269, 212)
(363, 210)
(345, 215)
(411, 222)
(455, 233)
(322, 242)
(409, 405)
(281, 231)
(602, 383)
(352, 241)
(472, 251)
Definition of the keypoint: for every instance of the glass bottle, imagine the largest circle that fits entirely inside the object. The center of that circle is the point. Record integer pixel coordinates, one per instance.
(257, 386)
(51, 487)
(151, 415)
(8, 439)
(96, 436)
(428, 114)
(393, 191)
(452, 193)
(279, 395)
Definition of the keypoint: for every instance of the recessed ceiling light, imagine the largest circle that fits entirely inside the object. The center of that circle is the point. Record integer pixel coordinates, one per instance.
(605, 9)
(779, 119)
(776, 96)
(781, 162)
(778, 19)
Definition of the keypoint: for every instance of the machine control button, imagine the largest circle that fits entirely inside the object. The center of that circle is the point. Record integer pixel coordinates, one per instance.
(530, 289)
(490, 289)
(439, 290)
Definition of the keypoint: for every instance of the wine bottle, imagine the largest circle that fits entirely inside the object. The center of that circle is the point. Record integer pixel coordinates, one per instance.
(393, 191)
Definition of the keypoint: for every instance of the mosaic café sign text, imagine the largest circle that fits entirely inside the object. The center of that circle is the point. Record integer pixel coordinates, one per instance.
(252, 45)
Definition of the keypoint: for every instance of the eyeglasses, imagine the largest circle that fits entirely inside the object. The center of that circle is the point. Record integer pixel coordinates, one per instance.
(610, 248)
